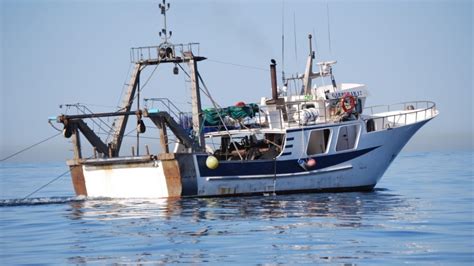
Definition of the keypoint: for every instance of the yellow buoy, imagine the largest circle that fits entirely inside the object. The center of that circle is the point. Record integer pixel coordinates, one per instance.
(212, 162)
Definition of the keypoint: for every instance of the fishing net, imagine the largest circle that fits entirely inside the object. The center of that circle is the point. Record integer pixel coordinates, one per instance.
(211, 115)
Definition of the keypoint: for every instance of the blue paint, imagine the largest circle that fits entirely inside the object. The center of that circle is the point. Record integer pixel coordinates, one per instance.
(153, 111)
(268, 167)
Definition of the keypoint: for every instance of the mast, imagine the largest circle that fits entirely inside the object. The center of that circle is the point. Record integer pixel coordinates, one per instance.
(164, 31)
(166, 53)
(196, 100)
(309, 69)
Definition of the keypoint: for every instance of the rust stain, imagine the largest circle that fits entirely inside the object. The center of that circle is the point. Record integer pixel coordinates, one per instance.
(78, 180)
(173, 178)
(226, 190)
(166, 156)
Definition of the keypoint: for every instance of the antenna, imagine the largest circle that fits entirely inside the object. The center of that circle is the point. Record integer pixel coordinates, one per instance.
(164, 7)
(310, 45)
(283, 42)
(315, 42)
(294, 32)
(329, 29)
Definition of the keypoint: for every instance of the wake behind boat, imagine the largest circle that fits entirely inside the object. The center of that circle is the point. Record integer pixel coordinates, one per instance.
(307, 138)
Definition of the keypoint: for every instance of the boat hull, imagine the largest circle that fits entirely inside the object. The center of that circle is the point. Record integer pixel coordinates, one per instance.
(351, 171)
(175, 175)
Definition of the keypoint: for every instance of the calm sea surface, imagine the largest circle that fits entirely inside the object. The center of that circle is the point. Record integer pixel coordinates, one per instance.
(422, 212)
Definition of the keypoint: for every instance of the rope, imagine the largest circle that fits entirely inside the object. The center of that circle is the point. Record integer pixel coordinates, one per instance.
(239, 65)
(29, 147)
(149, 77)
(47, 184)
(329, 28)
(57, 129)
(124, 84)
(218, 113)
(215, 104)
(294, 34)
(203, 91)
(142, 86)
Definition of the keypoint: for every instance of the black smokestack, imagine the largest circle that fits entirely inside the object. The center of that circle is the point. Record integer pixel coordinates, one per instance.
(273, 77)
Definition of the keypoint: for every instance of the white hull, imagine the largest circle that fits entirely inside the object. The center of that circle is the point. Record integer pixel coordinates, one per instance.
(146, 180)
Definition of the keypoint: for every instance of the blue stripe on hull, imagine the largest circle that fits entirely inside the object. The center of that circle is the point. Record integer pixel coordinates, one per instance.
(270, 167)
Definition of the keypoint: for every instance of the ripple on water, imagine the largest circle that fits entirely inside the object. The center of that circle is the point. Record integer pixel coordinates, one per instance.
(421, 213)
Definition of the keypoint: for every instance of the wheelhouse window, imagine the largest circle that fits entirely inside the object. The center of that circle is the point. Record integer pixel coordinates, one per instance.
(347, 137)
(318, 141)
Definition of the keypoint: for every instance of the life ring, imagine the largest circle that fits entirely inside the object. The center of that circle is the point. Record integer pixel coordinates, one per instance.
(351, 102)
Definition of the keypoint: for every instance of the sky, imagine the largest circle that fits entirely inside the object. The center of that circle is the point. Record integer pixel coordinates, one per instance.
(55, 52)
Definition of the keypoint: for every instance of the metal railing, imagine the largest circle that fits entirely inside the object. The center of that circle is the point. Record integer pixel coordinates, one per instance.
(155, 53)
(397, 115)
(383, 116)
(286, 116)
(165, 104)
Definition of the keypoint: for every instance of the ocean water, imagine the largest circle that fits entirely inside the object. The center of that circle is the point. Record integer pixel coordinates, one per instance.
(421, 213)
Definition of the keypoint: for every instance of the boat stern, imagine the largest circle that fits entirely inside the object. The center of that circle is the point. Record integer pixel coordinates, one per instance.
(164, 175)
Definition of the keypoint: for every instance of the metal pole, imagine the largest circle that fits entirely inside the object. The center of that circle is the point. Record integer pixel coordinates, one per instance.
(138, 108)
(196, 101)
(76, 140)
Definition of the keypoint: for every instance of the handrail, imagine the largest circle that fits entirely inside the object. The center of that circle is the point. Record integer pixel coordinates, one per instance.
(407, 113)
(170, 106)
(148, 53)
(405, 105)
(412, 112)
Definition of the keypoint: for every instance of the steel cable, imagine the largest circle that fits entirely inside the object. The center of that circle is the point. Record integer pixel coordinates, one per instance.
(29, 147)
(47, 184)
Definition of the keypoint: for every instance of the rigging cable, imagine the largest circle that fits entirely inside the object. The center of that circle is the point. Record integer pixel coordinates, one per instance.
(124, 84)
(47, 184)
(52, 180)
(283, 41)
(315, 43)
(184, 70)
(57, 129)
(329, 29)
(142, 86)
(111, 132)
(219, 114)
(31, 146)
(294, 34)
(239, 65)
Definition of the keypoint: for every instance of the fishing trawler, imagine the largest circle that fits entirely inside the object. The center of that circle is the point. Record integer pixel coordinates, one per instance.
(311, 138)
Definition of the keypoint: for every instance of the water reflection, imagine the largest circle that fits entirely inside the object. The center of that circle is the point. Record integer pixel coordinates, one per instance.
(189, 230)
(348, 208)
